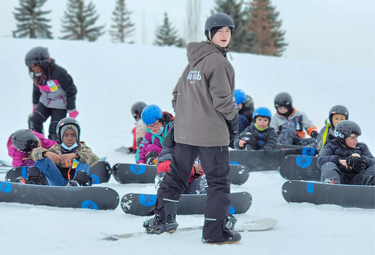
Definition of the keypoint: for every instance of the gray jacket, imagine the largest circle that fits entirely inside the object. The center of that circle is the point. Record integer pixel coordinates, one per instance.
(203, 97)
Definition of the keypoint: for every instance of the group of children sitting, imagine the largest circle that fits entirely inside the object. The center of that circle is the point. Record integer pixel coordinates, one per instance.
(341, 157)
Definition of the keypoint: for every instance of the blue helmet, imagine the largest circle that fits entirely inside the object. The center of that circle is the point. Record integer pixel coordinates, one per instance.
(240, 96)
(262, 111)
(151, 114)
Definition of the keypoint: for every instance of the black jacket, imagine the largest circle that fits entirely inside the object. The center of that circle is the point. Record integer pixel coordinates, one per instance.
(334, 151)
(248, 108)
(265, 140)
(65, 81)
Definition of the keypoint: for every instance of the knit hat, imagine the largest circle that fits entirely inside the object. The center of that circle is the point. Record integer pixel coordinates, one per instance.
(214, 31)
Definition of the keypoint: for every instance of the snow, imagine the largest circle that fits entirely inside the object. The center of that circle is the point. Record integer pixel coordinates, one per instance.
(110, 78)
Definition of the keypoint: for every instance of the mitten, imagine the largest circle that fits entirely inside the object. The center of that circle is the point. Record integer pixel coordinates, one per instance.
(150, 157)
(357, 163)
(73, 113)
(233, 128)
(249, 139)
(314, 134)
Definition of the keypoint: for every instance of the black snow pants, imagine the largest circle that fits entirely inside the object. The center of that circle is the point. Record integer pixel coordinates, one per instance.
(331, 171)
(41, 114)
(215, 162)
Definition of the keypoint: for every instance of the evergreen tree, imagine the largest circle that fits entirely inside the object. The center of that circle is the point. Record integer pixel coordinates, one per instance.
(267, 38)
(240, 16)
(79, 20)
(123, 28)
(166, 34)
(31, 21)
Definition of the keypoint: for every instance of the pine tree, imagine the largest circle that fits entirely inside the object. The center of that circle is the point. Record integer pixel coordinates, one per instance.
(79, 20)
(267, 38)
(123, 28)
(166, 34)
(31, 22)
(240, 16)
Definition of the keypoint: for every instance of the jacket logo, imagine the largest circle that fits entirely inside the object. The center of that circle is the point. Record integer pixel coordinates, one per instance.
(194, 75)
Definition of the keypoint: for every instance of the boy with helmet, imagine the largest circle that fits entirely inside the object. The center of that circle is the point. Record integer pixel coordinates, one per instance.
(245, 107)
(66, 163)
(138, 131)
(206, 121)
(290, 123)
(54, 93)
(22, 142)
(259, 135)
(346, 161)
(158, 124)
(336, 114)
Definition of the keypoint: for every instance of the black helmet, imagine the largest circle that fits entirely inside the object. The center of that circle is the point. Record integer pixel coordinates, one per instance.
(345, 129)
(37, 56)
(67, 123)
(218, 20)
(338, 109)
(283, 99)
(138, 107)
(24, 141)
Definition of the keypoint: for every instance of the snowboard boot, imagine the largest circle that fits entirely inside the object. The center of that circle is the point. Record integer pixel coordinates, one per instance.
(231, 222)
(233, 237)
(81, 179)
(20, 179)
(371, 181)
(34, 176)
(154, 225)
(170, 209)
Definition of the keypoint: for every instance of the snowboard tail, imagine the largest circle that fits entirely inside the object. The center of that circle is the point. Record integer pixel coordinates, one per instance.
(299, 167)
(141, 204)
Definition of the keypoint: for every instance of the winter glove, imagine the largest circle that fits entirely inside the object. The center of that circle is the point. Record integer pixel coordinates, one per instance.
(314, 134)
(249, 139)
(151, 157)
(34, 107)
(232, 128)
(73, 113)
(357, 163)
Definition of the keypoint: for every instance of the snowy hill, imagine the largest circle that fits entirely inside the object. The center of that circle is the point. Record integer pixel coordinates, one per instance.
(110, 78)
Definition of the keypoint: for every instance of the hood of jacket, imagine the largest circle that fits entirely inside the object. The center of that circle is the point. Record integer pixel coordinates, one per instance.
(198, 51)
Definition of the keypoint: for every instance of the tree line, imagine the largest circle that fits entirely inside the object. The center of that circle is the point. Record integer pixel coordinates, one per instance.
(257, 31)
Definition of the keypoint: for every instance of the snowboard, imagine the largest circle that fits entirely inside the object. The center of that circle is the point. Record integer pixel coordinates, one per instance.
(264, 160)
(97, 198)
(3, 163)
(133, 173)
(299, 167)
(140, 204)
(100, 173)
(360, 196)
(249, 226)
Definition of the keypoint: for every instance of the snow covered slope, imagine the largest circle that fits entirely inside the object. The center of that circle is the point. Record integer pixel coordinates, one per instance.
(110, 78)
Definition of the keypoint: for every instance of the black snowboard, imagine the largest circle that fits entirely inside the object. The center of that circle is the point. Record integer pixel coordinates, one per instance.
(133, 173)
(265, 160)
(98, 198)
(140, 204)
(100, 173)
(360, 196)
(299, 167)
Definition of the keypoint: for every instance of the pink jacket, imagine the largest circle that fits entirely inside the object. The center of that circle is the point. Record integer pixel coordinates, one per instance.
(18, 156)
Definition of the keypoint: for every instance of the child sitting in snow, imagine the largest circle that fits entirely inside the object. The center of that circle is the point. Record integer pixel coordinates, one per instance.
(66, 163)
(259, 135)
(22, 142)
(158, 124)
(290, 123)
(336, 114)
(346, 161)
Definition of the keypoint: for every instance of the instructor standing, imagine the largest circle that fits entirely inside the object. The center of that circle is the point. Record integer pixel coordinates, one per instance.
(206, 120)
